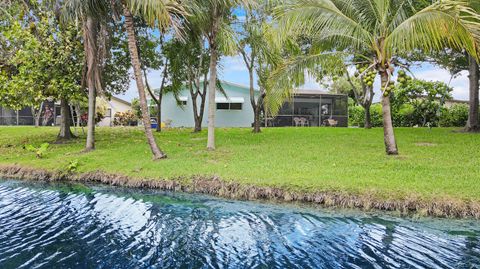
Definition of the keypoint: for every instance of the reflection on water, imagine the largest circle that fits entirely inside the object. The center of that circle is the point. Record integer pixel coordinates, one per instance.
(73, 226)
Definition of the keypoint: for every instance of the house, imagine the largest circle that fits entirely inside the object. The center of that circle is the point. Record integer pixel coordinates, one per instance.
(312, 108)
(307, 108)
(233, 108)
(113, 106)
(51, 113)
(25, 116)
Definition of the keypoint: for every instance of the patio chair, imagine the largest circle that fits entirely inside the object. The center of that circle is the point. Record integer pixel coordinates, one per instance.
(332, 122)
(304, 122)
(297, 121)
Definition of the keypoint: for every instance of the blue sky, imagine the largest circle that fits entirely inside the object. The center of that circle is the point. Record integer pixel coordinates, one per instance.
(233, 69)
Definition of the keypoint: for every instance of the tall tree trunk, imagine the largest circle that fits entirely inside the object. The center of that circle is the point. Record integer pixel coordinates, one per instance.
(77, 111)
(90, 44)
(388, 133)
(212, 86)
(159, 112)
(132, 46)
(255, 104)
(200, 90)
(196, 117)
(198, 113)
(65, 132)
(91, 118)
(37, 115)
(368, 117)
(474, 76)
(256, 122)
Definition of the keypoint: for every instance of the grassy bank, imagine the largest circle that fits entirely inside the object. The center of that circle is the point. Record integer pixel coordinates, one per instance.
(434, 165)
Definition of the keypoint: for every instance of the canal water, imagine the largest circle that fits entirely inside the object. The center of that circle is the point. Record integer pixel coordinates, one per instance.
(45, 225)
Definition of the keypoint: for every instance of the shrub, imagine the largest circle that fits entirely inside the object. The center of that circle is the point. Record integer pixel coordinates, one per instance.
(356, 116)
(407, 116)
(127, 118)
(39, 151)
(455, 116)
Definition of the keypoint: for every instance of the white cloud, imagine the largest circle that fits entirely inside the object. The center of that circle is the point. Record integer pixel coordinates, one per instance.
(233, 64)
(459, 84)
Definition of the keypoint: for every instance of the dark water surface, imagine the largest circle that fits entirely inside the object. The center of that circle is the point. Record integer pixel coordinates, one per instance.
(75, 226)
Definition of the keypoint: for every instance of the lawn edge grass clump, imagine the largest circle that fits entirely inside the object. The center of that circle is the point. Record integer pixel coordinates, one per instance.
(215, 186)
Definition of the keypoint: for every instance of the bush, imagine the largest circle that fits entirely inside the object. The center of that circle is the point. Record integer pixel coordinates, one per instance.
(356, 116)
(407, 116)
(455, 116)
(127, 118)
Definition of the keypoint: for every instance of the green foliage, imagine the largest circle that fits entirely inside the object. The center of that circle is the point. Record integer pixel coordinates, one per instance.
(136, 108)
(72, 166)
(43, 60)
(127, 118)
(356, 115)
(418, 102)
(455, 116)
(39, 151)
(406, 116)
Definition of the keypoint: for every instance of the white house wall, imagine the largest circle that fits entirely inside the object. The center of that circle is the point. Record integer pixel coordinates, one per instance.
(183, 116)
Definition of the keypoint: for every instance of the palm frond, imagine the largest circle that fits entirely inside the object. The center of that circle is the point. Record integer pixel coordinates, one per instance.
(447, 23)
(334, 19)
(292, 72)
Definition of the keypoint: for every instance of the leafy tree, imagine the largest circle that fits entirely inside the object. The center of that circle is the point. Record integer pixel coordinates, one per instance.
(260, 53)
(379, 33)
(215, 17)
(359, 88)
(426, 99)
(188, 67)
(33, 73)
(456, 61)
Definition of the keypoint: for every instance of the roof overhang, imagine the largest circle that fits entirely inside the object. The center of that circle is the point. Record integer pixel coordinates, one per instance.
(235, 100)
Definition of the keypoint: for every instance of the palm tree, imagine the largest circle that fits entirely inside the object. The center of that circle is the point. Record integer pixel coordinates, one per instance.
(92, 15)
(386, 30)
(473, 124)
(164, 14)
(259, 53)
(215, 16)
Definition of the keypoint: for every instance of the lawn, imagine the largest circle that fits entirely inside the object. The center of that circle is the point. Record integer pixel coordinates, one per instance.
(433, 164)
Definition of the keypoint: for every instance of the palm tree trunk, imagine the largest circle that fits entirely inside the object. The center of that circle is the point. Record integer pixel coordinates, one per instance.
(212, 86)
(388, 133)
(65, 132)
(159, 112)
(90, 44)
(474, 76)
(91, 118)
(132, 46)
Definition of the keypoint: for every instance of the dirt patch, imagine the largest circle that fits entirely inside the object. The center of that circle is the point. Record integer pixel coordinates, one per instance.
(425, 144)
(216, 186)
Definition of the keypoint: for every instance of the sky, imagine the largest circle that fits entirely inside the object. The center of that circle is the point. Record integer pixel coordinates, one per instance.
(232, 69)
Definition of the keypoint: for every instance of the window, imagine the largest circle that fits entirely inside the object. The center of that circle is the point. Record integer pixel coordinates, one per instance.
(182, 100)
(235, 106)
(109, 113)
(223, 106)
(229, 106)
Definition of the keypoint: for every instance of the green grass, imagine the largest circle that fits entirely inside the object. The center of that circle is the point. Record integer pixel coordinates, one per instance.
(432, 164)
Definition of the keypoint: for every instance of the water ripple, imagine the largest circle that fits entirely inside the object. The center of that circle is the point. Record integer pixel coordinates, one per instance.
(44, 226)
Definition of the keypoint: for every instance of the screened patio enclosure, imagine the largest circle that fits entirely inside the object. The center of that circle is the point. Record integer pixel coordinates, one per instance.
(313, 109)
